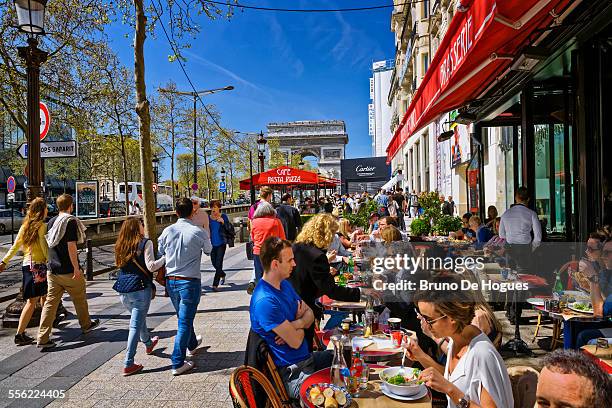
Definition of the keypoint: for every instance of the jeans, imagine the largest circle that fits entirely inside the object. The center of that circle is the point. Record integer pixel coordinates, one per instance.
(295, 374)
(185, 297)
(257, 269)
(137, 303)
(216, 257)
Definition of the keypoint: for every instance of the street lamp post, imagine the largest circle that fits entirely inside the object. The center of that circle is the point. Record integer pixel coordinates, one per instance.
(31, 19)
(223, 180)
(261, 148)
(301, 165)
(195, 95)
(155, 162)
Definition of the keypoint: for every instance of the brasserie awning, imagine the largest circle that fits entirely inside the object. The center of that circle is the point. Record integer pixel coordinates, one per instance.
(481, 41)
(287, 176)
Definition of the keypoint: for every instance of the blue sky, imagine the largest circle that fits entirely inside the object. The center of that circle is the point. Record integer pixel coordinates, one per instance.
(285, 66)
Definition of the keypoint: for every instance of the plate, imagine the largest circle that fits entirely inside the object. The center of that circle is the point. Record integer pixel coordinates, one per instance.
(571, 307)
(323, 386)
(536, 301)
(417, 396)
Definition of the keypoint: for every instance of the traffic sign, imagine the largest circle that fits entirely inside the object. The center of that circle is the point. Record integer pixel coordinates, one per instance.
(63, 148)
(10, 184)
(155, 187)
(222, 187)
(194, 186)
(45, 120)
(10, 196)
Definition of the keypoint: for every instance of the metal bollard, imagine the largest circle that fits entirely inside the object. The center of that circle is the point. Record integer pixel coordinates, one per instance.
(89, 272)
(243, 231)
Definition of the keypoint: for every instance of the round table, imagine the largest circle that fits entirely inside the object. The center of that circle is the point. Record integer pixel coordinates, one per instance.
(369, 356)
(372, 397)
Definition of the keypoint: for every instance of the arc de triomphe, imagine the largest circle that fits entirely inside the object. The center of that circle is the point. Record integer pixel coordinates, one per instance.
(323, 139)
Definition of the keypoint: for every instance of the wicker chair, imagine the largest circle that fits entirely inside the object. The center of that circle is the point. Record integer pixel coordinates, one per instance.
(272, 371)
(241, 385)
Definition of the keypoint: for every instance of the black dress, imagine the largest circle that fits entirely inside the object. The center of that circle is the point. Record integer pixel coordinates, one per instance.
(311, 279)
(32, 289)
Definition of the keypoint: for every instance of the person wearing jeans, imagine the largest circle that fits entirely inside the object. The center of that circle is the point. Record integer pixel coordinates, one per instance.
(217, 222)
(185, 297)
(182, 244)
(135, 257)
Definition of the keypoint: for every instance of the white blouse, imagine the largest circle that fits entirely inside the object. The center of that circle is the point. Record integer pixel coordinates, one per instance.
(480, 367)
(149, 257)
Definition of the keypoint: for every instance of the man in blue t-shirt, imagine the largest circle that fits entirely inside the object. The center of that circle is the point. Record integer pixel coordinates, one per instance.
(279, 316)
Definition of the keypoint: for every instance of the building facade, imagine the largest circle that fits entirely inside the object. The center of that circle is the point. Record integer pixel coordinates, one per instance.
(323, 139)
(379, 111)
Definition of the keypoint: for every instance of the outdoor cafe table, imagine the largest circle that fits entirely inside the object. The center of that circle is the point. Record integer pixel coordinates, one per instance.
(369, 356)
(603, 357)
(370, 398)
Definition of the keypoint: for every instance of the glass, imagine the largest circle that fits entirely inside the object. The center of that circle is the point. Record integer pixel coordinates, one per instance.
(338, 367)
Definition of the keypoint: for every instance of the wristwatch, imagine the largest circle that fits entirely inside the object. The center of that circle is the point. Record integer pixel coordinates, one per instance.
(464, 402)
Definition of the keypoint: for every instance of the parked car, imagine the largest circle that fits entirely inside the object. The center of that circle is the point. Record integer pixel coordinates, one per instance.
(111, 209)
(5, 220)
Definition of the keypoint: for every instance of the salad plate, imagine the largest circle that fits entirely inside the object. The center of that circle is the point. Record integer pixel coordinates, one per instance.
(423, 392)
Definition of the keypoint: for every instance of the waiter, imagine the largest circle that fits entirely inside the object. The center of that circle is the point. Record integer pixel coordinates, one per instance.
(521, 229)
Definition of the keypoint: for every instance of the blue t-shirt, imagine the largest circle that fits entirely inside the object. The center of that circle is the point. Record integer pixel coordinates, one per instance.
(216, 231)
(269, 308)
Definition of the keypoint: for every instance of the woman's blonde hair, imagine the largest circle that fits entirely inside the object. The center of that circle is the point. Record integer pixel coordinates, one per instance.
(319, 231)
(127, 242)
(33, 221)
(344, 227)
(391, 234)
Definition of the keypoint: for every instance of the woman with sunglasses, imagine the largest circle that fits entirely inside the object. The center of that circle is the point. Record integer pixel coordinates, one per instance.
(475, 374)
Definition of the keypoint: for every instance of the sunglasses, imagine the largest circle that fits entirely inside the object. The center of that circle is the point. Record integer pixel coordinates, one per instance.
(429, 322)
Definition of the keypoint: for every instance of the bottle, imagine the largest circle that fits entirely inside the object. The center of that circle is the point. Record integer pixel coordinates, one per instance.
(351, 264)
(345, 339)
(558, 288)
(338, 367)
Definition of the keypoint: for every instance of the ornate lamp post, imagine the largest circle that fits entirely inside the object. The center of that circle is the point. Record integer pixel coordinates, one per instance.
(155, 163)
(31, 20)
(223, 180)
(261, 148)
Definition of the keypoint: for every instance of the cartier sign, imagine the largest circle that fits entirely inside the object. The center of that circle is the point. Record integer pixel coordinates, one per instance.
(366, 168)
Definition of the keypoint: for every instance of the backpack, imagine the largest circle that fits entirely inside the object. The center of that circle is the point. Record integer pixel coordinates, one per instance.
(392, 208)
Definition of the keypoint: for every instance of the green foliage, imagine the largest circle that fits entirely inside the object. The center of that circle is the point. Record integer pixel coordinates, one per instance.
(432, 207)
(362, 218)
(420, 227)
(446, 224)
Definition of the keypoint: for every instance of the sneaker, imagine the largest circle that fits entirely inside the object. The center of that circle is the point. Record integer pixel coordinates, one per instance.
(23, 339)
(133, 369)
(154, 341)
(222, 280)
(94, 323)
(190, 353)
(46, 345)
(251, 288)
(187, 365)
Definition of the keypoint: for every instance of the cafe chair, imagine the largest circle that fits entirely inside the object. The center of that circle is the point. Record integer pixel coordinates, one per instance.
(524, 381)
(242, 383)
(272, 371)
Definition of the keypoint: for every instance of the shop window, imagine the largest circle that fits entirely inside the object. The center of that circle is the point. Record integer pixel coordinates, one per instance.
(425, 10)
(425, 60)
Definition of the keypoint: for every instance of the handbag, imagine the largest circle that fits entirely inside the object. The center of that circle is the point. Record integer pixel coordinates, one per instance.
(39, 272)
(249, 250)
(161, 276)
(128, 283)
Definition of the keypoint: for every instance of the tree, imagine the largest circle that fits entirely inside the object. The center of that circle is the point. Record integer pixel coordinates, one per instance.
(169, 111)
(180, 23)
(184, 168)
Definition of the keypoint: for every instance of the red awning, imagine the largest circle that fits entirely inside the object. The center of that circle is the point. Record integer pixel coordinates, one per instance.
(287, 176)
(479, 44)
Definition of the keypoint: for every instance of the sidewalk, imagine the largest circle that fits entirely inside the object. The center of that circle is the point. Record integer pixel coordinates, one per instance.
(89, 366)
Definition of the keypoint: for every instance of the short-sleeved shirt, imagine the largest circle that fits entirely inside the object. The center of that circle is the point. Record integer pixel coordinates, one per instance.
(270, 308)
(59, 259)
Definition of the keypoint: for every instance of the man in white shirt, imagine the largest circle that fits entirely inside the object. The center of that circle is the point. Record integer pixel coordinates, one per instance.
(516, 227)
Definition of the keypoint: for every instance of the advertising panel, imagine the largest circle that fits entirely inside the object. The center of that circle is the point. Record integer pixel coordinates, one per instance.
(86, 199)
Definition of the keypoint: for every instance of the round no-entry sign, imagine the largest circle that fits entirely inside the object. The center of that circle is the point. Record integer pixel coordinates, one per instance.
(45, 120)
(10, 184)
(194, 186)
(154, 187)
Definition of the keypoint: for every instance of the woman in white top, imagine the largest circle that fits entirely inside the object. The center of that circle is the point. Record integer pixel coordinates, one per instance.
(475, 374)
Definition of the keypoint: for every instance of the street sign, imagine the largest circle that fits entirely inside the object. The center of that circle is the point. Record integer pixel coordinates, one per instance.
(10, 196)
(194, 186)
(48, 150)
(45, 120)
(222, 187)
(154, 187)
(10, 184)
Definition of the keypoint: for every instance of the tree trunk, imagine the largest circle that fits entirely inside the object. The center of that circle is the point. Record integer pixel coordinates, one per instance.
(172, 177)
(144, 123)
